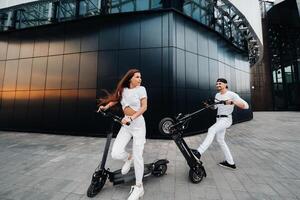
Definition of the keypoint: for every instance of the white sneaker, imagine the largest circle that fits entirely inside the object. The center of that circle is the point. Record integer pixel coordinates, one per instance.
(136, 192)
(126, 167)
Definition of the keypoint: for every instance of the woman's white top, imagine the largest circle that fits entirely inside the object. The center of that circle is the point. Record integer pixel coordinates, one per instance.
(132, 97)
(228, 109)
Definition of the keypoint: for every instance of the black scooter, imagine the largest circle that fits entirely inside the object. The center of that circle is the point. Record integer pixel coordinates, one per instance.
(157, 168)
(174, 128)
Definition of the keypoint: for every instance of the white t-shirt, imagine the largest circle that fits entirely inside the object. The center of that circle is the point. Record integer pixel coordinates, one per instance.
(228, 109)
(131, 97)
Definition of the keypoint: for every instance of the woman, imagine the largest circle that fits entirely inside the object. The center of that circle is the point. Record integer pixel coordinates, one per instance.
(133, 98)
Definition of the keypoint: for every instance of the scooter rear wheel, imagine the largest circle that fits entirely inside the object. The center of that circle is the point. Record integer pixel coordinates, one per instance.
(97, 184)
(160, 170)
(164, 125)
(196, 176)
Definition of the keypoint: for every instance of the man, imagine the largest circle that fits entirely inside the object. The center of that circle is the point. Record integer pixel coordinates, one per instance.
(223, 121)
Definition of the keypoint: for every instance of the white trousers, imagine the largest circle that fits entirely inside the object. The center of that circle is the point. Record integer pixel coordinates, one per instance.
(137, 130)
(218, 130)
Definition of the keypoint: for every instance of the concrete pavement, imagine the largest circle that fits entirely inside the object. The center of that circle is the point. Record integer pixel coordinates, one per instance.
(266, 150)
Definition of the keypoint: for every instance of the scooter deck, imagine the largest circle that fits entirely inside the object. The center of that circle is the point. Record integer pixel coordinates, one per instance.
(117, 177)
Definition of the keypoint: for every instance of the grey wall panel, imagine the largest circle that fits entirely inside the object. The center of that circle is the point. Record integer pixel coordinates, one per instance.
(191, 71)
(70, 72)
(180, 68)
(3, 47)
(88, 69)
(35, 109)
(38, 75)
(27, 46)
(130, 35)
(151, 33)
(10, 75)
(41, 46)
(54, 72)
(203, 73)
(2, 70)
(151, 67)
(109, 36)
(129, 58)
(24, 74)
(191, 37)
(13, 49)
(60, 74)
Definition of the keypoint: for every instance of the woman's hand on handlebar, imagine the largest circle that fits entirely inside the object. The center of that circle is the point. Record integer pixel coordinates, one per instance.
(126, 120)
(102, 108)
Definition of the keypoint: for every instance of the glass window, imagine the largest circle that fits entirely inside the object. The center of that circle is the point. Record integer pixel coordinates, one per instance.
(24, 74)
(70, 71)
(10, 75)
(288, 74)
(274, 77)
(54, 70)
(88, 70)
(127, 6)
(279, 76)
(156, 4)
(142, 5)
(39, 68)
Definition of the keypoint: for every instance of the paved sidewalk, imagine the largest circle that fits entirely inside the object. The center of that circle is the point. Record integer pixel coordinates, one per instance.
(266, 151)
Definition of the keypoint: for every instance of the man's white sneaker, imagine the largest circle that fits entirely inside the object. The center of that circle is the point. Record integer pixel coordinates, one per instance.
(126, 167)
(136, 192)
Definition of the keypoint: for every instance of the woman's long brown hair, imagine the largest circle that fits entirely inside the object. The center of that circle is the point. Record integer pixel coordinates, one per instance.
(117, 94)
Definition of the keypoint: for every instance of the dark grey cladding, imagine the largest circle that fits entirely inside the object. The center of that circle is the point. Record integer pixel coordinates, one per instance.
(51, 76)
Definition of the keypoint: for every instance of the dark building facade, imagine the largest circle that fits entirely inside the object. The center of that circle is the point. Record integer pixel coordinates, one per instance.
(284, 49)
(52, 75)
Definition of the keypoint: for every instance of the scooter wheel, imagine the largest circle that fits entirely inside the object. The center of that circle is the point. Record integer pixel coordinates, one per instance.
(164, 125)
(96, 185)
(160, 170)
(197, 176)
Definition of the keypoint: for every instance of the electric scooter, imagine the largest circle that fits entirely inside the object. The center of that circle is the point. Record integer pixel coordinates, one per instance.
(174, 128)
(157, 168)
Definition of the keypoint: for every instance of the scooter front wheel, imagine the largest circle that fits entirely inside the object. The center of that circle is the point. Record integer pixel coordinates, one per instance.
(97, 184)
(164, 125)
(197, 175)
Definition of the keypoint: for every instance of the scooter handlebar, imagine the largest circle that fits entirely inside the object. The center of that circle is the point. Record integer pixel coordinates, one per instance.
(114, 117)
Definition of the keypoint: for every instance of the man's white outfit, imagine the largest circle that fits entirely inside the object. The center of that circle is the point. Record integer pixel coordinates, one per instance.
(222, 123)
